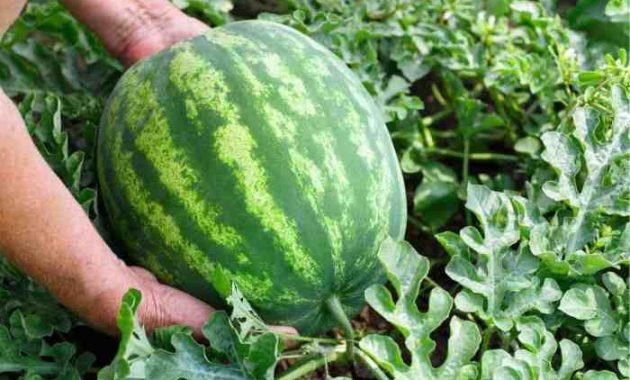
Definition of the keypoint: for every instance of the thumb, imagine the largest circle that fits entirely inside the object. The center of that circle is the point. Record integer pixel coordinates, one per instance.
(167, 306)
(9, 11)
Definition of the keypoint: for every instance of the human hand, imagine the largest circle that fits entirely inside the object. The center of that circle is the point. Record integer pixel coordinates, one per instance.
(9, 11)
(163, 306)
(135, 29)
(45, 232)
(129, 29)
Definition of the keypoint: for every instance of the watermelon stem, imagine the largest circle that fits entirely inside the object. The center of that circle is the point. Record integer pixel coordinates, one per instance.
(335, 308)
(311, 363)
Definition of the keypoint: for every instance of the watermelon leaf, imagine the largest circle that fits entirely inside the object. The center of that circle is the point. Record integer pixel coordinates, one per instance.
(499, 280)
(30, 319)
(591, 231)
(172, 352)
(534, 358)
(134, 348)
(255, 355)
(605, 312)
(189, 362)
(406, 270)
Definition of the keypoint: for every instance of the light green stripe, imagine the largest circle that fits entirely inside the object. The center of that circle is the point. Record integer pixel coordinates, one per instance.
(154, 140)
(292, 90)
(155, 264)
(112, 112)
(153, 213)
(311, 181)
(235, 146)
(379, 193)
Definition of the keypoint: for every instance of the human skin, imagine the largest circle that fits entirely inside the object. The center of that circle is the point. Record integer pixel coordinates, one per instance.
(43, 230)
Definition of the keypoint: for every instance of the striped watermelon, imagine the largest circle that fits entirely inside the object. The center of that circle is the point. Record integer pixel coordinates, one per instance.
(252, 154)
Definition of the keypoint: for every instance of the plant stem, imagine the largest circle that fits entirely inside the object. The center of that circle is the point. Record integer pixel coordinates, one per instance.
(299, 338)
(335, 308)
(487, 335)
(471, 156)
(310, 364)
(373, 367)
(428, 137)
(465, 168)
(438, 95)
(431, 282)
(428, 121)
(418, 224)
(445, 134)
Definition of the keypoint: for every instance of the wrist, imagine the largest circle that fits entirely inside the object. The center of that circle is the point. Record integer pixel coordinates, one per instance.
(101, 293)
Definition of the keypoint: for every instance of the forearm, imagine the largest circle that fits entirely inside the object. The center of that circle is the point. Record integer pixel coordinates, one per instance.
(134, 29)
(45, 233)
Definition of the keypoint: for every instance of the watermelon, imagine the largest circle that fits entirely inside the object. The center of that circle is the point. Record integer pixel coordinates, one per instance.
(252, 155)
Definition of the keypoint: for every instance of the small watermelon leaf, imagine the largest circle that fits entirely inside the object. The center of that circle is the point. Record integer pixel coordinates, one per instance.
(134, 347)
(252, 348)
(189, 361)
(245, 320)
(406, 269)
(244, 338)
(605, 314)
(573, 244)
(538, 346)
(499, 277)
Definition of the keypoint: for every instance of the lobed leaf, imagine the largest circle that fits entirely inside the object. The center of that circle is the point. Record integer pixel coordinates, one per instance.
(534, 359)
(500, 280)
(605, 313)
(405, 270)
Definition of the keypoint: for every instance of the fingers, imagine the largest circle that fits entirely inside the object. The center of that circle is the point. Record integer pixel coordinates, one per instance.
(9, 11)
(285, 330)
(143, 274)
(166, 306)
(134, 29)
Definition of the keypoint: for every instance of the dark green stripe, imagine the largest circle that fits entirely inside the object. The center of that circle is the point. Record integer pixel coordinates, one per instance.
(139, 237)
(327, 118)
(273, 155)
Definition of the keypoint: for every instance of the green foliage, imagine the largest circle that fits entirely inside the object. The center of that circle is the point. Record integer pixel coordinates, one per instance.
(606, 315)
(605, 23)
(534, 360)
(172, 352)
(30, 323)
(500, 282)
(405, 270)
(593, 234)
(47, 50)
(500, 110)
